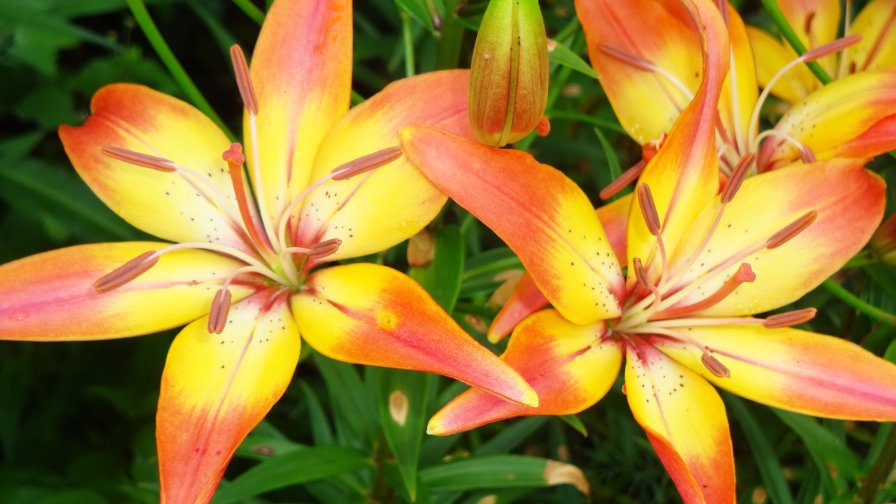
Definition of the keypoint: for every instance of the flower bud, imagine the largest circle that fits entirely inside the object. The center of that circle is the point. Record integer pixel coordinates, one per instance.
(884, 240)
(509, 77)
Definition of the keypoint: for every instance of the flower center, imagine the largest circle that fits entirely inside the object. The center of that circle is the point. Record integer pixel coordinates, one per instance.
(271, 253)
(662, 301)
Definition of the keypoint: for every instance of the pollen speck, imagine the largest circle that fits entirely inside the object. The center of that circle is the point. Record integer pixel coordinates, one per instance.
(386, 320)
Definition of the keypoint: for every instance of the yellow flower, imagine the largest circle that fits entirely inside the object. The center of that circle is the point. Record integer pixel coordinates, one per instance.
(700, 266)
(248, 271)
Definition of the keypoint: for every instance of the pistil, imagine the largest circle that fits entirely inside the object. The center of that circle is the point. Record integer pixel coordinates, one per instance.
(235, 159)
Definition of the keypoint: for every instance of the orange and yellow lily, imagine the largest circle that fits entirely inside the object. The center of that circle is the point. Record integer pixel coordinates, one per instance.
(816, 23)
(245, 269)
(651, 69)
(700, 266)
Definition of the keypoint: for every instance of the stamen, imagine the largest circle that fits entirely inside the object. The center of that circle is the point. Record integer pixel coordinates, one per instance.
(831, 48)
(325, 248)
(543, 128)
(713, 365)
(808, 56)
(366, 163)
(217, 317)
(126, 272)
(243, 81)
(648, 209)
(640, 273)
(235, 159)
(743, 274)
(806, 154)
(791, 230)
(139, 159)
(788, 319)
(737, 178)
(647, 66)
(627, 177)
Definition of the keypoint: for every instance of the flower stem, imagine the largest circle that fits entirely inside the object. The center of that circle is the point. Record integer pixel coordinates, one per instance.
(408, 35)
(141, 15)
(854, 301)
(882, 467)
(250, 10)
(777, 15)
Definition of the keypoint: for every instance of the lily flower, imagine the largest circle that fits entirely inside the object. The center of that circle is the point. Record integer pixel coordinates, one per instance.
(817, 23)
(249, 271)
(682, 316)
(650, 71)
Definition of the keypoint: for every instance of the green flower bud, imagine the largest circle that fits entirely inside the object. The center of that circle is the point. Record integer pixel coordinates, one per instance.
(509, 78)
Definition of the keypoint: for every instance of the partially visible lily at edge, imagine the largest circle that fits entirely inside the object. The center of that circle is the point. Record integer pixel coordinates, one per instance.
(651, 68)
(815, 24)
(242, 271)
(682, 317)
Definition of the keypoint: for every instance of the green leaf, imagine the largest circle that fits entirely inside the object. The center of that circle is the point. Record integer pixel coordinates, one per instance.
(769, 467)
(836, 462)
(613, 165)
(402, 407)
(353, 407)
(512, 436)
(418, 11)
(292, 468)
(563, 55)
(501, 471)
(442, 277)
(574, 422)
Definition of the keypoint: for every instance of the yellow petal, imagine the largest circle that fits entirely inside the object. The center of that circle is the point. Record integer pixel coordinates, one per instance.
(301, 71)
(685, 421)
(739, 92)
(849, 202)
(373, 211)
(50, 296)
(834, 115)
(164, 204)
(216, 388)
(369, 314)
(647, 103)
(568, 365)
(877, 49)
(816, 22)
(541, 214)
(683, 175)
(795, 370)
(771, 55)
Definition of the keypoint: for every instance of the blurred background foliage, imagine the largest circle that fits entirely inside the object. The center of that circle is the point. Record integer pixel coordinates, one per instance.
(76, 420)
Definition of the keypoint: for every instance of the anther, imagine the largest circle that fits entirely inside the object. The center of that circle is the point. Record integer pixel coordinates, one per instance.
(713, 365)
(788, 319)
(743, 274)
(806, 154)
(627, 177)
(737, 178)
(325, 248)
(791, 230)
(640, 273)
(126, 272)
(366, 163)
(831, 47)
(139, 159)
(648, 209)
(243, 82)
(217, 317)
